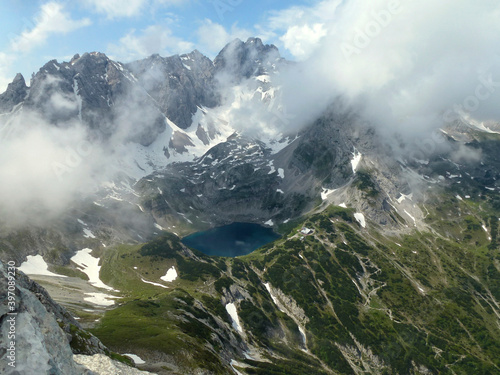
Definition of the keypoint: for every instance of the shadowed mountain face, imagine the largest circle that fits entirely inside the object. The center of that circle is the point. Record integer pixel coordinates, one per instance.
(244, 60)
(15, 94)
(95, 89)
(388, 257)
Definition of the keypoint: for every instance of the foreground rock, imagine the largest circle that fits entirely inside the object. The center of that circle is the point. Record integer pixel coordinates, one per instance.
(38, 336)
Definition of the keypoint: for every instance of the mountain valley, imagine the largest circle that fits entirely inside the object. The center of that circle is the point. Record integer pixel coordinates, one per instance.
(388, 257)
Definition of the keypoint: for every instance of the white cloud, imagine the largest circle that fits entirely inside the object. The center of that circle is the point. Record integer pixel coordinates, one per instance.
(130, 8)
(400, 63)
(212, 36)
(302, 40)
(154, 39)
(52, 19)
(50, 158)
(117, 8)
(299, 29)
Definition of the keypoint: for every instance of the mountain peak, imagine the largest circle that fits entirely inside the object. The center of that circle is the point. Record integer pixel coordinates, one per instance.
(15, 94)
(247, 59)
(256, 41)
(19, 79)
(93, 56)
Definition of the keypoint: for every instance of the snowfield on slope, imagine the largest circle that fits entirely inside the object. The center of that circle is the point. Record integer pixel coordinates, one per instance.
(100, 299)
(90, 266)
(233, 313)
(36, 265)
(360, 218)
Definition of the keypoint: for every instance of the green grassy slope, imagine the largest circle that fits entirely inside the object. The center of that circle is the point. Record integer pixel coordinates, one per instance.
(422, 303)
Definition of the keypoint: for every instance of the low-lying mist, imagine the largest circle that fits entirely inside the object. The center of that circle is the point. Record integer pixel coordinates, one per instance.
(406, 66)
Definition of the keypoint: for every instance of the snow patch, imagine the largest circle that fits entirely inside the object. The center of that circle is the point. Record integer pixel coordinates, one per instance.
(303, 334)
(263, 78)
(88, 233)
(343, 205)
(269, 222)
(268, 287)
(170, 276)
(281, 172)
(360, 218)
(233, 313)
(236, 363)
(356, 160)
(326, 192)
(403, 197)
(90, 266)
(159, 226)
(137, 360)
(270, 165)
(100, 299)
(36, 265)
(414, 220)
(155, 284)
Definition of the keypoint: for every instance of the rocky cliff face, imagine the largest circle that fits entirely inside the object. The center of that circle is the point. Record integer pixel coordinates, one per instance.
(38, 336)
(15, 94)
(41, 346)
(178, 84)
(241, 60)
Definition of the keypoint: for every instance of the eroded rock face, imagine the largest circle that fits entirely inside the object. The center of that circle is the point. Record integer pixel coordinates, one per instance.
(178, 84)
(15, 94)
(41, 346)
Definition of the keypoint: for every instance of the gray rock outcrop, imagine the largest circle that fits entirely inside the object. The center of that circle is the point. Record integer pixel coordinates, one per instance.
(32, 341)
(16, 93)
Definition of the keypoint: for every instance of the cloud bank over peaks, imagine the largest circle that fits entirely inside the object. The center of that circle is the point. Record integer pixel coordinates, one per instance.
(403, 64)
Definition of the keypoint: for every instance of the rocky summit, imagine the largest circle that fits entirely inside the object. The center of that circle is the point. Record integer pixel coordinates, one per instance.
(388, 256)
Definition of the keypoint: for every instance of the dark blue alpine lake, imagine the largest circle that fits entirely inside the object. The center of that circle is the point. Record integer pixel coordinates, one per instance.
(231, 240)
